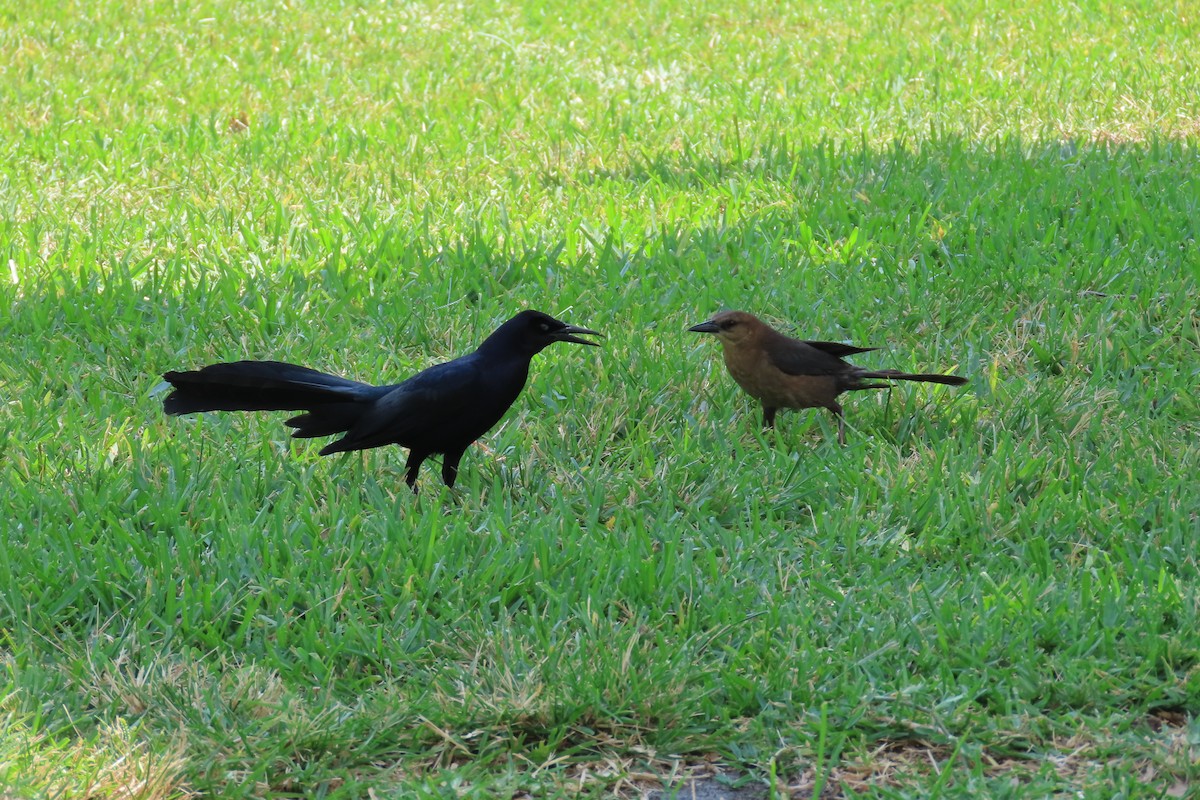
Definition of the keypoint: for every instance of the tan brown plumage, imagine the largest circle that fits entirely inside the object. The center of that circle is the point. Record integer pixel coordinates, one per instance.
(782, 372)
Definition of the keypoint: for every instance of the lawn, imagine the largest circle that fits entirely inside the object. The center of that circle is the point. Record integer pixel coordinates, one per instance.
(992, 591)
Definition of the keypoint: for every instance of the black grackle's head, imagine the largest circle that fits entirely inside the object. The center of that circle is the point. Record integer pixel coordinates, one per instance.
(533, 331)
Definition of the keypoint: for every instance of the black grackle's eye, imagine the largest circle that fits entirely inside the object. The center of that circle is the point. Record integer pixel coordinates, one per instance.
(545, 327)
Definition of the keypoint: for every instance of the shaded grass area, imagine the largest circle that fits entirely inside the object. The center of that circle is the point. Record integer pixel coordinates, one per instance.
(988, 591)
(630, 567)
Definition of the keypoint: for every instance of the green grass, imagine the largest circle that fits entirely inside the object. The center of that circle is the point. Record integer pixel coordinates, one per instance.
(989, 592)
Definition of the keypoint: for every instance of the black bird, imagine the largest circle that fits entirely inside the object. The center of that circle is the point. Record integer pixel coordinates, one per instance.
(442, 409)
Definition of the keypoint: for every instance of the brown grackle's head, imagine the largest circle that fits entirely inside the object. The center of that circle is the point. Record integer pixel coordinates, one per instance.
(731, 327)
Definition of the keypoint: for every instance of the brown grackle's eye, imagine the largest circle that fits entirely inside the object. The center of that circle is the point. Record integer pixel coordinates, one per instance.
(727, 324)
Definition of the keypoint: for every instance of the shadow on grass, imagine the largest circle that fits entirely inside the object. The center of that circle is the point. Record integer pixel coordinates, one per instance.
(1056, 261)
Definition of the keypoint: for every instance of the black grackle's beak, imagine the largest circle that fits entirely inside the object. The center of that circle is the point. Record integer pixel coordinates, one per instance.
(567, 334)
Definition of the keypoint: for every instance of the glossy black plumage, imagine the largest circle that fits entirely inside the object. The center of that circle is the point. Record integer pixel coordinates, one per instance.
(442, 409)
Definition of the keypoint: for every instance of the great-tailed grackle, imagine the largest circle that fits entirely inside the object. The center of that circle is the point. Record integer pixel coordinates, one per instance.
(782, 372)
(440, 410)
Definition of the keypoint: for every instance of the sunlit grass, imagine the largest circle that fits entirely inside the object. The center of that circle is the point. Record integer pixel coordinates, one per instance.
(989, 591)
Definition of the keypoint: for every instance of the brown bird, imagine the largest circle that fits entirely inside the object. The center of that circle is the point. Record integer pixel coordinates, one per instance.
(782, 372)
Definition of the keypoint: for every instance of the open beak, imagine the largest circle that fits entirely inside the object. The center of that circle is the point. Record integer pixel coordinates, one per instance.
(568, 334)
(705, 327)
